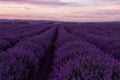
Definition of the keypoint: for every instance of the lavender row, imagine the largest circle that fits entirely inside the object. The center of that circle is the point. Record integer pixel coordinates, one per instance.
(110, 30)
(78, 60)
(107, 44)
(23, 61)
(22, 28)
(64, 36)
(9, 41)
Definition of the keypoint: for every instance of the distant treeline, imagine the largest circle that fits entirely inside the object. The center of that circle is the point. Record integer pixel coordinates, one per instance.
(14, 22)
(28, 22)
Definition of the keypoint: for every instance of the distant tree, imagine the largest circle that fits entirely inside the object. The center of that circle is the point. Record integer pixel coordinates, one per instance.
(23, 22)
(5, 22)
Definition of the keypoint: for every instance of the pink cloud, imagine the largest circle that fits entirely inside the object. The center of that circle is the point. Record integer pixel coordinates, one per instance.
(106, 10)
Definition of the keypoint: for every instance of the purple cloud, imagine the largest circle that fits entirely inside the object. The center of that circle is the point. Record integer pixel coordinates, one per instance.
(41, 2)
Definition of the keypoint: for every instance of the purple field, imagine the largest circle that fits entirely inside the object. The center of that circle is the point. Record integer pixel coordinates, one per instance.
(60, 51)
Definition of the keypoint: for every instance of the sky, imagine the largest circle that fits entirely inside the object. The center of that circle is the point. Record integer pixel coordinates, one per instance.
(61, 10)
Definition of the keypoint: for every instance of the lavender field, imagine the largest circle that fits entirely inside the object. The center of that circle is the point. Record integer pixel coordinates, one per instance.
(65, 51)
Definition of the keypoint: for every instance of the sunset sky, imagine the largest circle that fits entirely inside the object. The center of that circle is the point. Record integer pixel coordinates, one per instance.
(63, 10)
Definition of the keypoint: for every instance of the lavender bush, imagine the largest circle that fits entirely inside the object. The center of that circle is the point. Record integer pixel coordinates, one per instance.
(79, 60)
(60, 51)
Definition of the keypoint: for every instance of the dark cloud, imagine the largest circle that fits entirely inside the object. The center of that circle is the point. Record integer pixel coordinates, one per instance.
(14, 0)
(40, 2)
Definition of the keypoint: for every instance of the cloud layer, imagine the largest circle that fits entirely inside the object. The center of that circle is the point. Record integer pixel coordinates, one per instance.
(41, 2)
(68, 10)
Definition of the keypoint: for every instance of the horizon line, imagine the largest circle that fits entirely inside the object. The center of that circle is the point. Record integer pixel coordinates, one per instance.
(58, 20)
